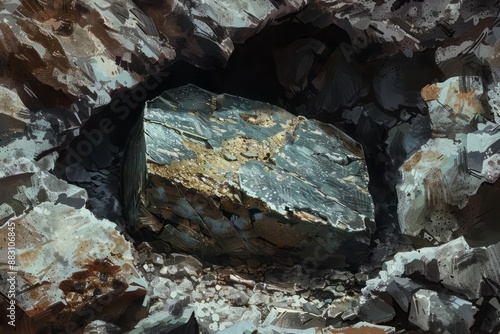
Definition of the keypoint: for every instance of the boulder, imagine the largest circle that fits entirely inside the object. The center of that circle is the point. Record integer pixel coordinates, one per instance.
(227, 175)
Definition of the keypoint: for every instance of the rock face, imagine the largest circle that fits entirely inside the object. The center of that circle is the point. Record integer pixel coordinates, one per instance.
(63, 275)
(440, 313)
(462, 275)
(231, 180)
(440, 177)
(233, 176)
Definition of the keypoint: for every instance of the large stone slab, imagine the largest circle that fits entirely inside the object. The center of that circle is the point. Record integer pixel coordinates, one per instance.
(233, 176)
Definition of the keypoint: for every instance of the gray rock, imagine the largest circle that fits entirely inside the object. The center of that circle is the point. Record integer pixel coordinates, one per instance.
(443, 174)
(376, 311)
(402, 289)
(297, 320)
(457, 266)
(64, 268)
(441, 313)
(164, 322)
(101, 327)
(308, 179)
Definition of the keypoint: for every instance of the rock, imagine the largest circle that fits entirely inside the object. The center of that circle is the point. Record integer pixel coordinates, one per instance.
(441, 313)
(310, 308)
(488, 315)
(401, 289)
(234, 296)
(60, 270)
(245, 327)
(164, 322)
(180, 265)
(101, 327)
(245, 208)
(451, 166)
(361, 328)
(297, 320)
(26, 184)
(458, 267)
(401, 26)
(14, 116)
(361, 278)
(376, 311)
(454, 106)
(343, 307)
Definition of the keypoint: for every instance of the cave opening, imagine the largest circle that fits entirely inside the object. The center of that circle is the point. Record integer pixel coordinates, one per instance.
(284, 65)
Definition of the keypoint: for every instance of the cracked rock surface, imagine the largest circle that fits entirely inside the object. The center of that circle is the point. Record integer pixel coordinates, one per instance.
(238, 177)
(240, 200)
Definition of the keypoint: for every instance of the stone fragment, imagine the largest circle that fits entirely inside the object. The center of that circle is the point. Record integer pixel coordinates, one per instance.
(340, 307)
(164, 322)
(26, 184)
(305, 189)
(361, 328)
(297, 320)
(467, 271)
(454, 106)
(65, 275)
(376, 311)
(441, 313)
(101, 327)
(14, 116)
(401, 289)
(311, 308)
(439, 180)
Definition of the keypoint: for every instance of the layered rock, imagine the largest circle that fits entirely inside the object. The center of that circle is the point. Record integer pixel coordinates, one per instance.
(441, 176)
(441, 313)
(458, 274)
(60, 275)
(233, 176)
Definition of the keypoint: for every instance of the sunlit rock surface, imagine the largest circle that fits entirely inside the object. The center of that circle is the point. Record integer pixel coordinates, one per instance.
(441, 313)
(62, 61)
(465, 270)
(441, 288)
(72, 267)
(233, 176)
(360, 328)
(440, 177)
(69, 266)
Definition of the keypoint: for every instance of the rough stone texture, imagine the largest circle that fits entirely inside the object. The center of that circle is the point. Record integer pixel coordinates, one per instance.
(66, 275)
(401, 290)
(454, 105)
(376, 311)
(470, 272)
(462, 280)
(441, 313)
(294, 184)
(440, 177)
(26, 185)
(61, 61)
(274, 298)
(91, 49)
